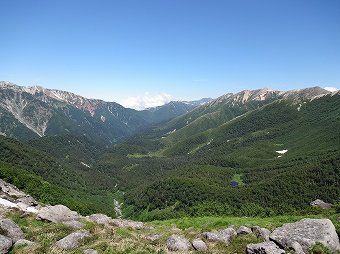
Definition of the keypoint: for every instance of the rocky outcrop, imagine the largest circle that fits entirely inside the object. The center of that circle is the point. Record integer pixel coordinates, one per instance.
(5, 244)
(261, 232)
(307, 232)
(264, 248)
(321, 204)
(199, 245)
(72, 240)
(11, 230)
(57, 214)
(178, 243)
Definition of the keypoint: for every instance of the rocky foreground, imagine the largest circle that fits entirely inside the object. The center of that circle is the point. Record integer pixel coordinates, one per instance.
(298, 237)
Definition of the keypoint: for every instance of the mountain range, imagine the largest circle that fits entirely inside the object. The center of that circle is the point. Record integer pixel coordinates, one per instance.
(256, 152)
(31, 112)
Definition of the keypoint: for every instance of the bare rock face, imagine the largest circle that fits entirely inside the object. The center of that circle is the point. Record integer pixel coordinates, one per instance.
(261, 232)
(264, 248)
(307, 232)
(57, 214)
(321, 204)
(178, 243)
(5, 244)
(243, 231)
(199, 245)
(72, 240)
(11, 229)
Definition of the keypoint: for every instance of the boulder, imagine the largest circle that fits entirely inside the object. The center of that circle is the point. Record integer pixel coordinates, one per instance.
(57, 214)
(261, 232)
(199, 245)
(128, 224)
(178, 243)
(264, 248)
(72, 240)
(224, 235)
(90, 251)
(100, 219)
(11, 230)
(21, 242)
(321, 204)
(5, 244)
(212, 236)
(73, 224)
(243, 231)
(307, 232)
(227, 234)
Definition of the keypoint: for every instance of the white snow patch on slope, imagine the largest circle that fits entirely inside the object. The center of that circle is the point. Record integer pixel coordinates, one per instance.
(282, 151)
(102, 118)
(84, 164)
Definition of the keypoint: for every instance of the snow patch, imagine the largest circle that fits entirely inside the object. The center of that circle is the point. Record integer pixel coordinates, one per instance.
(282, 151)
(102, 118)
(84, 164)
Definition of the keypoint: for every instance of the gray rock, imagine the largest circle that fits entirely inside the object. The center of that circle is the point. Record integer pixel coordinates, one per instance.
(72, 240)
(128, 224)
(11, 230)
(10, 190)
(212, 236)
(264, 248)
(199, 245)
(5, 244)
(227, 234)
(90, 251)
(73, 224)
(224, 235)
(178, 243)
(100, 219)
(57, 214)
(307, 232)
(321, 204)
(243, 231)
(261, 232)
(296, 247)
(23, 242)
(28, 200)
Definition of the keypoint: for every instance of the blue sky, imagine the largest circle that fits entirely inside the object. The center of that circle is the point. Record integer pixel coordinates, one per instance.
(179, 49)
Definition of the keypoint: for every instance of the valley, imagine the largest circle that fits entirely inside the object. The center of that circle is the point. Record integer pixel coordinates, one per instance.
(251, 158)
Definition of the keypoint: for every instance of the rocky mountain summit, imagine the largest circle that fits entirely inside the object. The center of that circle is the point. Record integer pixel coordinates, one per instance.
(87, 234)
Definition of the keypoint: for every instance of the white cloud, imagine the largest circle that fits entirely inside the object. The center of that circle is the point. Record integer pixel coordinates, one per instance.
(147, 100)
(331, 89)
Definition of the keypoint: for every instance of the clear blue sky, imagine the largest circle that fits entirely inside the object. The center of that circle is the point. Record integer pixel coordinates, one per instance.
(187, 48)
